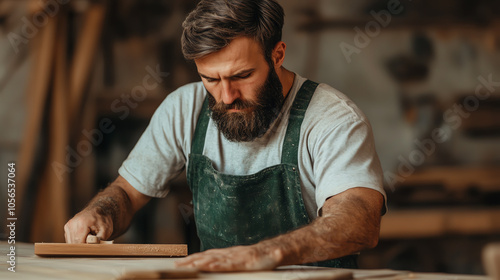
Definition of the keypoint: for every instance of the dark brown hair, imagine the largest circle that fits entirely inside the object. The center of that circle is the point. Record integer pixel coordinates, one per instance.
(215, 23)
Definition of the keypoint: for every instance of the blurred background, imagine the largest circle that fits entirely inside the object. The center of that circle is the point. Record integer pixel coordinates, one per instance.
(79, 81)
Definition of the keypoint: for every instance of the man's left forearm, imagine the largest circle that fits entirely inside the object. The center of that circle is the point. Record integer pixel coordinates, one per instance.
(350, 222)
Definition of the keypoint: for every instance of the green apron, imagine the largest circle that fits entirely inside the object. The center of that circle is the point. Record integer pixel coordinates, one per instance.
(234, 210)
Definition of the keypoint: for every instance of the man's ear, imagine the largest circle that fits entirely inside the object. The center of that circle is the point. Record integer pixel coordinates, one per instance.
(278, 55)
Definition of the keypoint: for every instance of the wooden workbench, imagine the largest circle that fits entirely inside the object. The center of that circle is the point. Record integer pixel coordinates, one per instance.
(29, 266)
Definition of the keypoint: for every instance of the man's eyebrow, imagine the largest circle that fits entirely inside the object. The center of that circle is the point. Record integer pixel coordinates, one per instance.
(241, 73)
(206, 77)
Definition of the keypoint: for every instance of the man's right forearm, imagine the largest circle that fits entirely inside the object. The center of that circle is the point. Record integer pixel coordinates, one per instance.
(113, 202)
(108, 214)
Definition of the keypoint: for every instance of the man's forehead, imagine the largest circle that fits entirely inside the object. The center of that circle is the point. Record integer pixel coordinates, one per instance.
(226, 70)
(241, 54)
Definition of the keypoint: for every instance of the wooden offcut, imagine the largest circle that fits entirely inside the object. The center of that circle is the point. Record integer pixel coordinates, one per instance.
(110, 250)
(491, 259)
(177, 273)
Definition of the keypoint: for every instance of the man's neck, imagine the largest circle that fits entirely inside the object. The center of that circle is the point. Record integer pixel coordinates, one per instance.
(286, 78)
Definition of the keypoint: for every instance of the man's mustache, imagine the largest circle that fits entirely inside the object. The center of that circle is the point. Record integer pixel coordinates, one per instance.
(237, 104)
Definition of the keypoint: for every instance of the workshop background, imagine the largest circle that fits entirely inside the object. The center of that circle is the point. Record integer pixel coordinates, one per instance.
(80, 79)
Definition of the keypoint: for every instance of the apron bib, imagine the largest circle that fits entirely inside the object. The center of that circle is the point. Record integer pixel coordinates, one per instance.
(234, 210)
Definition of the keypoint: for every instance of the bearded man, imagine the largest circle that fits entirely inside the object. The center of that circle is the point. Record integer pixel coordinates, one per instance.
(283, 170)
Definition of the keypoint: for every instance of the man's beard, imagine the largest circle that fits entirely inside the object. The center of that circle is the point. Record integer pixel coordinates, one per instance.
(248, 125)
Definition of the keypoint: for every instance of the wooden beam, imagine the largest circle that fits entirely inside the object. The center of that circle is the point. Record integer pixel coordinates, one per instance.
(53, 186)
(86, 49)
(42, 49)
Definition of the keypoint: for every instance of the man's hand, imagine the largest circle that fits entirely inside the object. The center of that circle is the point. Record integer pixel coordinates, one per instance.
(85, 222)
(238, 258)
(108, 214)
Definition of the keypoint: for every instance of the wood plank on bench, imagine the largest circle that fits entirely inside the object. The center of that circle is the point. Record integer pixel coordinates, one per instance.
(111, 250)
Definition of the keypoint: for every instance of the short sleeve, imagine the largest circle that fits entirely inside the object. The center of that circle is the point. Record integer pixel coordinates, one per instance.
(160, 155)
(345, 158)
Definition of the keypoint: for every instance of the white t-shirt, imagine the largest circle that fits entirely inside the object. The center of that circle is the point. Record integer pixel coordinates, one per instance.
(336, 149)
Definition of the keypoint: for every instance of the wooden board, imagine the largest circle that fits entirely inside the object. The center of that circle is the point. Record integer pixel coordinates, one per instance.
(111, 250)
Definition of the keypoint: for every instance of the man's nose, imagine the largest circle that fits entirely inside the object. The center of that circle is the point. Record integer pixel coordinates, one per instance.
(229, 93)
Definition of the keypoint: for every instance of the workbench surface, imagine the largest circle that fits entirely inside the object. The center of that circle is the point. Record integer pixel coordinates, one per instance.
(30, 266)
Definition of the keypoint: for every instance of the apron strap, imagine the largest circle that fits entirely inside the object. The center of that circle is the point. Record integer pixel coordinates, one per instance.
(290, 150)
(200, 131)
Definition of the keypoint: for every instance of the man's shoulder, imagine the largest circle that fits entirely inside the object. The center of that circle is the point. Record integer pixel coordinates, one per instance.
(191, 91)
(332, 106)
(190, 95)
